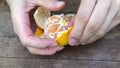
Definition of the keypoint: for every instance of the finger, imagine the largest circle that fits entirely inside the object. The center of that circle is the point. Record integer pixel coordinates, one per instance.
(100, 34)
(71, 23)
(45, 51)
(115, 22)
(83, 15)
(53, 5)
(111, 21)
(116, 11)
(32, 41)
(96, 20)
(113, 13)
(22, 28)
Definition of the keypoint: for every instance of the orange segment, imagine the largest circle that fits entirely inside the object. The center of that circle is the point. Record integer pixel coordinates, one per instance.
(62, 40)
(53, 28)
(38, 32)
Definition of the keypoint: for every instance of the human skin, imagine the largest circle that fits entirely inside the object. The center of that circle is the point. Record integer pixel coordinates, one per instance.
(93, 20)
(21, 23)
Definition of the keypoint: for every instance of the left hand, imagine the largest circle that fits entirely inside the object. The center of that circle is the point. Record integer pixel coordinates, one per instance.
(93, 20)
(20, 12)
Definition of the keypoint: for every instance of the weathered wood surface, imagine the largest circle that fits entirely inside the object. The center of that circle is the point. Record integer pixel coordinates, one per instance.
(55, 63)
(104, 53)
(3, 6)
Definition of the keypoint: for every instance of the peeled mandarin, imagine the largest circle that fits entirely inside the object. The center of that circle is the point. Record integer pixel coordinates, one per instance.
(53, 27)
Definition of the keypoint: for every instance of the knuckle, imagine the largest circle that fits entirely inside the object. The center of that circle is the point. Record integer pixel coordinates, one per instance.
(32, 51)
(75, 35)
(24, 42)
(101, 34)
(108, 2)
(51, 7)
(116, 3)
(83, 43)
(83, 17)
(92, 30)
(94, 27)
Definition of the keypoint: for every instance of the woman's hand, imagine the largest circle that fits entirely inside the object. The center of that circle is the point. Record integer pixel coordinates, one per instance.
(21, 23)
(93, 20)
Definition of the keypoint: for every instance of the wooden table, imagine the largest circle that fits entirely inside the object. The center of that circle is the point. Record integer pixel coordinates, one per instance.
(104, 53)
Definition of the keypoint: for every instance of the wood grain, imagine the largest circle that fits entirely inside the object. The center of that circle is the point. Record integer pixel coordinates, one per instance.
(55, 63)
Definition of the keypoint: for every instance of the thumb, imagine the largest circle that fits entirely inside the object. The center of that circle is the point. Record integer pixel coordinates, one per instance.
(71, 23)
(52, 5)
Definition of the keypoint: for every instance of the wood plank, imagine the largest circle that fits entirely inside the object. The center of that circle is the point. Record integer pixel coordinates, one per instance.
(54, 63)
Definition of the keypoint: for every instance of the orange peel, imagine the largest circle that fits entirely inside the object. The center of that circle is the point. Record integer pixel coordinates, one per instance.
(53, 27)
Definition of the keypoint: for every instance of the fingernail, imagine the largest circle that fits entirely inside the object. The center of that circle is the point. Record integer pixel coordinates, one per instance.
(83, 43)
(60, 48)
(59, 3)
(74, 42)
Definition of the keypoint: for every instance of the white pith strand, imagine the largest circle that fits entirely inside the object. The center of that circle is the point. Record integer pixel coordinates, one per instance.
(48, 21)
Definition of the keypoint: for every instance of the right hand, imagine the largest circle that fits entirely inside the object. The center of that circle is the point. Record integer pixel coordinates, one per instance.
(93, 20)
(21, 23)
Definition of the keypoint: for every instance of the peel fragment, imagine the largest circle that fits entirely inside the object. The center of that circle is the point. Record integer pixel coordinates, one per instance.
(62, 40)
(40, 15)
